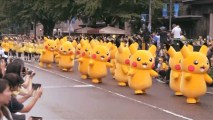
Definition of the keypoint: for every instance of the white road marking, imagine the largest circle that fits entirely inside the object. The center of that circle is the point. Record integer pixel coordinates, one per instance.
(120, 95)
(160, 81)
(69, 86)
(210, 93)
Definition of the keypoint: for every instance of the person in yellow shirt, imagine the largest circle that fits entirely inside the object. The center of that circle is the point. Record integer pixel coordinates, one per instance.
(162, 68)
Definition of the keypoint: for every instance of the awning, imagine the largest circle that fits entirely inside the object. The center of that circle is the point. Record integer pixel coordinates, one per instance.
(111, 30)
(197, 1)
(183, 18)
(83, 30)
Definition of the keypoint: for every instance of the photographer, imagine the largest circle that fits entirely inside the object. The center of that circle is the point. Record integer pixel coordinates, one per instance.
(5, 96)
(16, 103)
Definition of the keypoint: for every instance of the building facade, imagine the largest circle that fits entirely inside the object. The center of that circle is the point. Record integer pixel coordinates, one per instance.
(203, 9)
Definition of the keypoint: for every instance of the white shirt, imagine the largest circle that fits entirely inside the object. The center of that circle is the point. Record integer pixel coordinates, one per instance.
(176, 31)
(2, 53)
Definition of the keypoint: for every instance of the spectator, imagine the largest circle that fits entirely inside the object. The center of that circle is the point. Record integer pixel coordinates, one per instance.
(176, 31)
(5, 97)
(16, 104)
(2, 67)
(163, 37)
(209, 54)
(162, 68)
(146, 37)
(155, 38)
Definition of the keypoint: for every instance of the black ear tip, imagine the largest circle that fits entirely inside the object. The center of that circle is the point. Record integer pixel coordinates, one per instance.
(181, 44)
(155, 44)
(167, 46)
(130, 42)
(190, 43)
(117, 43)
(205, 44)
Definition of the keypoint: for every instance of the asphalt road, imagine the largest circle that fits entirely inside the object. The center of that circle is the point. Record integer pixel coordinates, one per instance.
(67, 97)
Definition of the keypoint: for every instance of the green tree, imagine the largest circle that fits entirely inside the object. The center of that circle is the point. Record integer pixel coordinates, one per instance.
(117, 12)
(47, 12)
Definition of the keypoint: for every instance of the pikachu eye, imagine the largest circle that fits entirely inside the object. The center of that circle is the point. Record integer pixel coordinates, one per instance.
(97, 52)
(48, 44)
(107, 54)
(79, 49)
(179, 61)
(130, 56)
(207, 62)
(69, 49)
(150, 59)
(138, 59)
(86, 50)
(195, 62)
(61, 48)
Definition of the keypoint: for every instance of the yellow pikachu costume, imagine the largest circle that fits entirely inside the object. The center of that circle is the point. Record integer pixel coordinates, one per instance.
(98, 63)
(122, 64)
(112, 50)
(175, 64)
(78, 51)
(194, 76)
(84, 59)
(141, 72)
(66, 58)
(47, 55)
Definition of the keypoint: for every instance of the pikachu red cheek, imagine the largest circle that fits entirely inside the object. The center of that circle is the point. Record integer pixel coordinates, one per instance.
(78, 52)
(46, 47)
(153, 65)
(83, 54)
(71, 53)
(109, 59)
(94, 56)
(177, 67)
(191, 68)
(134, 64)
(127, 61)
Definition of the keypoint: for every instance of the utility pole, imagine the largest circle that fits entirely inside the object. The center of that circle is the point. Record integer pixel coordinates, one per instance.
(35, 38)
(150, 14)
(170, 15)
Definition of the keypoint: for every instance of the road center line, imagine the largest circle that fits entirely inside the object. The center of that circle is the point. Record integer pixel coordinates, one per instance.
(118, 94)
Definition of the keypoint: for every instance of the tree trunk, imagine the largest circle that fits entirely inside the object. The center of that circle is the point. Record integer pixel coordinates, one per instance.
(48, 27)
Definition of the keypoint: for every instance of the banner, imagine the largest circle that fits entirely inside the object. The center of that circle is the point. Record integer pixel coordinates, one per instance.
(143, 17)
(164, 10)
(176, 9)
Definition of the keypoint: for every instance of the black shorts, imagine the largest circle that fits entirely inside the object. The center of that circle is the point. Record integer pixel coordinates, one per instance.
(6, 53)
(13, 52)
(25, 53)
(19, 54)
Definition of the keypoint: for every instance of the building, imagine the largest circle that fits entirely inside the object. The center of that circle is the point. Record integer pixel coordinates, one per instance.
(204, 9)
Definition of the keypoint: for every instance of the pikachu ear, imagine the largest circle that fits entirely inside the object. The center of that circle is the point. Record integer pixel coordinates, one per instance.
(184, 50)
(93, 43)
(117, 43)
(64, 38)
(170, 50)
(153, 49)
(190, 47)
(109, 45)
(121, 48)
(204, 49)
(82, 42)
(45, 39)
(133, 47)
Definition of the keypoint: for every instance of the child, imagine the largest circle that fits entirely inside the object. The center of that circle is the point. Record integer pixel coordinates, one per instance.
(162, 67)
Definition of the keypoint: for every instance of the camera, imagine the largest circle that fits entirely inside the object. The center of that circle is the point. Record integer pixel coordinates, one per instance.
(35, 86)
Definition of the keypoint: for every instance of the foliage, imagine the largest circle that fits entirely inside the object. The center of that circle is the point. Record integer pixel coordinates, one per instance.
(48, 12)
